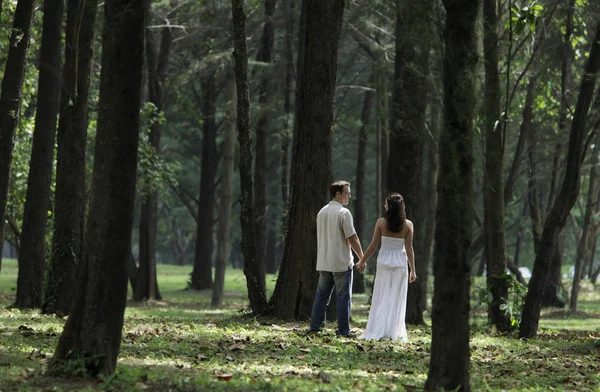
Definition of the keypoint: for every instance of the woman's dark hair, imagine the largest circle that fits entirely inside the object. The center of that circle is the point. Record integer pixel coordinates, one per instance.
(396, 213)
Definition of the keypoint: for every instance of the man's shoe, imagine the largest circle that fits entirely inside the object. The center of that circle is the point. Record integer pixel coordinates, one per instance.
(349, 335)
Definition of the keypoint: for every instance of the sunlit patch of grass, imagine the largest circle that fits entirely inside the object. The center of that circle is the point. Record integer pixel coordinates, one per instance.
(182, 344)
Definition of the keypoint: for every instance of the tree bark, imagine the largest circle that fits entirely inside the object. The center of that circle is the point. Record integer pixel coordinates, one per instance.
(228, 151)
(566, 198)
(430, 197)
(10, 99)
(449, 361)
(413, 32)
(311, 169)
(358, 284)
(287, 105)
(32, 258)
(265, 55)
(256, 289)
(494, 167)
(147, 285)
(93, 330)
(70, 193)
(202, 273)
(584, 248)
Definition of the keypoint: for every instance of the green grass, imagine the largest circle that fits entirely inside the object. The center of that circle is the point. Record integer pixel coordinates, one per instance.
(182, 344)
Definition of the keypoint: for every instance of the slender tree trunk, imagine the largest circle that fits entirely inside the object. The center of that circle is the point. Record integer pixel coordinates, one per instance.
(228, 151)
(93, 329)
(202, 273)
(494, 167)
(252, 270)
(147, 285)
(520, 234)
(32, 258)
(566, 198)
(585, 244)
(358, 284)
(296, 284)
(10, 99)
(449, 363)
(265, 55)
(70, 193)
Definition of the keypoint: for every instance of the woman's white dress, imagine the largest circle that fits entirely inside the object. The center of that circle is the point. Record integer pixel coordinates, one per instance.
(388, 305)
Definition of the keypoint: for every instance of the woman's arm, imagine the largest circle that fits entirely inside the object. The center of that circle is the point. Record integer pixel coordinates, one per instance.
(372, 246)
(410, 252)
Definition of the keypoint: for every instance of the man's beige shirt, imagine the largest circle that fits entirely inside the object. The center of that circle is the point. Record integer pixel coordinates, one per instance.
(334, 227)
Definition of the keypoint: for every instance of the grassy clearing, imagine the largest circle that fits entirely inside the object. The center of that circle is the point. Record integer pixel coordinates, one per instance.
(182, 344)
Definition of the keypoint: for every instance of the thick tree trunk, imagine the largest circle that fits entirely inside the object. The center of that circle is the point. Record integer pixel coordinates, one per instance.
(430, 197)
(70, 194)
(228, 151)
(494, 167)
(265, 55)
(449, 363)
(407, 133)
(585, 244)
(358, 284)
(32, 258)
(202, 273)
(311, 170)
(252, 266)
(92, 333)
(566, 198)
(10, 99)
(147, 285)
(288, 106)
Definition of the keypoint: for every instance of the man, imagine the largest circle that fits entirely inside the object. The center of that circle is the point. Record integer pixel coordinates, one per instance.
(335, 238)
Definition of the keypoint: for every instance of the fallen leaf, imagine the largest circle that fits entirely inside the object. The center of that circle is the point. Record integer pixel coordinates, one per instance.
(202, 357)
(305, 350)
(224, 377)
(229, 358)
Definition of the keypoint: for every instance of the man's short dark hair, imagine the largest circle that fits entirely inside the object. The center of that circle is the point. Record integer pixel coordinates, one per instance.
(337, 186)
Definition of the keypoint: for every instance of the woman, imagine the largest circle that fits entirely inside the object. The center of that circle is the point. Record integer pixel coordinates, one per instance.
(388, 306)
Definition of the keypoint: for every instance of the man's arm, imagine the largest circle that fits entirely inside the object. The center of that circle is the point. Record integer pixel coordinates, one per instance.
(355, 244)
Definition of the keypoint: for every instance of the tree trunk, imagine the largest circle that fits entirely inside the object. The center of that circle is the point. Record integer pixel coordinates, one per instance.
(147, 285)
(520, 234)
(252, 266)
(358, 284)
(93, 330)
(202, 273)
(70, 193)
(405, 161)
(265, 55)
(32, 258)
(449, 363)
(287, 105)
(430, 197)
(585, 244)
(311, 169)
(496, 279)
(10, 99)
(566, 198)
(228, 150)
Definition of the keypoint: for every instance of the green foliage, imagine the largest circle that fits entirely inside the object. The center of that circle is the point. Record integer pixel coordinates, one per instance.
(154, 173)
(513, 305)
(524, 17)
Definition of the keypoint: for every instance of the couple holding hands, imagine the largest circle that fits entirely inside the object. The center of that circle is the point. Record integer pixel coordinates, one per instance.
(336, 237)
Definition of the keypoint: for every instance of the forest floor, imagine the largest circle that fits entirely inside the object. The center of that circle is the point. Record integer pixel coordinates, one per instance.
(182, 344)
